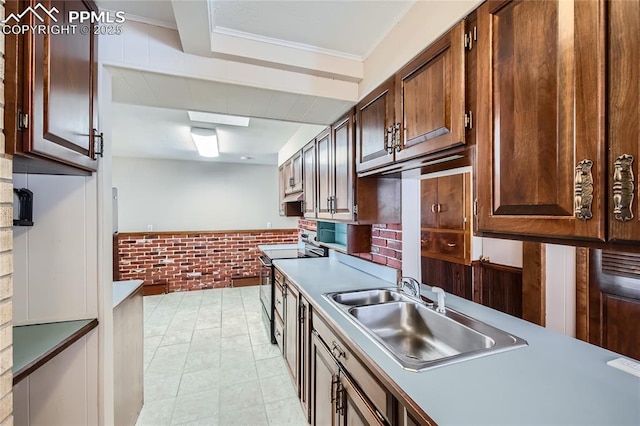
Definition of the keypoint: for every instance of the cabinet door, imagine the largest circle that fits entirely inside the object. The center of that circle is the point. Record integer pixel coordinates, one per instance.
(288, 176)
(430, 103)
(541, 118)
(324, 379)
(342, 168)
(281, 188)
(309, 173)
(58, 82)
(429, 203)
(624, 120)
(325, 190)
(296, 172)
(305, 356)
(354, 406)
(291, 333)
(452, 194)
(445, 205)
(374, 114)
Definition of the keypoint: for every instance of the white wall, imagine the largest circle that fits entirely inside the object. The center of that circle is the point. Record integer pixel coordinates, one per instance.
(55, 261)
(196, 196)
(56, 279)
(561, 289)
(421, 26)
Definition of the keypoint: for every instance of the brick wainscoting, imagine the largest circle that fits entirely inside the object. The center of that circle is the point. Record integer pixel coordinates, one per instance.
(183, 261)
(386, 242)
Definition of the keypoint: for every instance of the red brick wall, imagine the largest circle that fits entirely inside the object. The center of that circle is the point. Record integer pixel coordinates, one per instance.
(386, 243)
(194, 261)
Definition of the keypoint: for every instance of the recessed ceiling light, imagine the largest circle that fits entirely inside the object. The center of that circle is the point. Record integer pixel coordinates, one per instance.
(245, 158)
(209, 117)
(206, 141)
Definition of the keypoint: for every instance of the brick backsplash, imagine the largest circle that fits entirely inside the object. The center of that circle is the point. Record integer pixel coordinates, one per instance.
(386, 242)
(386, 245)
(194, 261)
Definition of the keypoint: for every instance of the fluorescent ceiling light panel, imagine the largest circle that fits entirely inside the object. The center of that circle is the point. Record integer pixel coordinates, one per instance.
(209, 117)
(206, 141)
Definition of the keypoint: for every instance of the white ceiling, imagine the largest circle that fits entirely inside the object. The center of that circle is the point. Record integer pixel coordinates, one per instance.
(167, 91)
(150, 109)
(163, 133)
(350, 27)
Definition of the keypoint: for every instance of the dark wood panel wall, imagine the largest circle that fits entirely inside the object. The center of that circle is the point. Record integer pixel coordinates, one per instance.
(453, 278)
(498, 287)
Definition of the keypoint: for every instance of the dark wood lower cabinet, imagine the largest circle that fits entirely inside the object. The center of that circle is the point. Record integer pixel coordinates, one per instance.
(453, 278)
(608, 300)
(305, 356)
(496, 286)
(291, 333)
(324, 376)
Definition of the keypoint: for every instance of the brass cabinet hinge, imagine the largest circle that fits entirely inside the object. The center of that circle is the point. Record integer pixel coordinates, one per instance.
(355, 209)
(470, 37)
(475, 207)
(301, 313)
(23, 120)
(468, 120)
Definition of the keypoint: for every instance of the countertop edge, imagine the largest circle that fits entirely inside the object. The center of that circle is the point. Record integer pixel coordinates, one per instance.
(38, 362)
(133, 287)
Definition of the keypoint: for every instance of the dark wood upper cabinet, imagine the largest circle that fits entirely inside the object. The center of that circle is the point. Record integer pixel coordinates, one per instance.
(309, 180)
(624, 120)
(445, 218)
(342, 168)
(323, 150)
(430, 98)
(336, 171)
(540, 120)
(51, 95)
(374, 114)
(293, 171)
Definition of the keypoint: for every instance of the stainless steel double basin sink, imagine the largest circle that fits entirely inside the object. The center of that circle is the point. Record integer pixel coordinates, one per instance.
(414, 334)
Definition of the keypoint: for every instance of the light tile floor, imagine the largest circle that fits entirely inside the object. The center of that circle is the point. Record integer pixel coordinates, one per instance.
(208, 361)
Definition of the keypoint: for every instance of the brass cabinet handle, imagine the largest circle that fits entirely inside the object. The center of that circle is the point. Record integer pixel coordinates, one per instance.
(623, 188)
(433, 208)
(583, 190)
(337, 351)
(389, 140)
(451, 244)
(396, 137)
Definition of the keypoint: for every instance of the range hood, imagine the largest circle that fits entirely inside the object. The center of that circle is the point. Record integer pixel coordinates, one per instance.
(293, 198)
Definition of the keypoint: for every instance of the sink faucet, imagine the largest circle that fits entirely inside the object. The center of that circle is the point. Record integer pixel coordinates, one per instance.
(440, 293)
(412, 284)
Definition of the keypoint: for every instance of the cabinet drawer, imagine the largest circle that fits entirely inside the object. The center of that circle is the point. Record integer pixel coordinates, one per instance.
(444, 243)
(279, 332)
(358, 372)
(278, 299)
(278, 276)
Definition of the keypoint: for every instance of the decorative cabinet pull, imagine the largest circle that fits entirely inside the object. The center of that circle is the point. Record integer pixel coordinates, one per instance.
(337, 351)
(623, 188)
(451, 244)
(583, 190)
(389, 140)
(277, 333)
(396, 137)
(433, 208)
